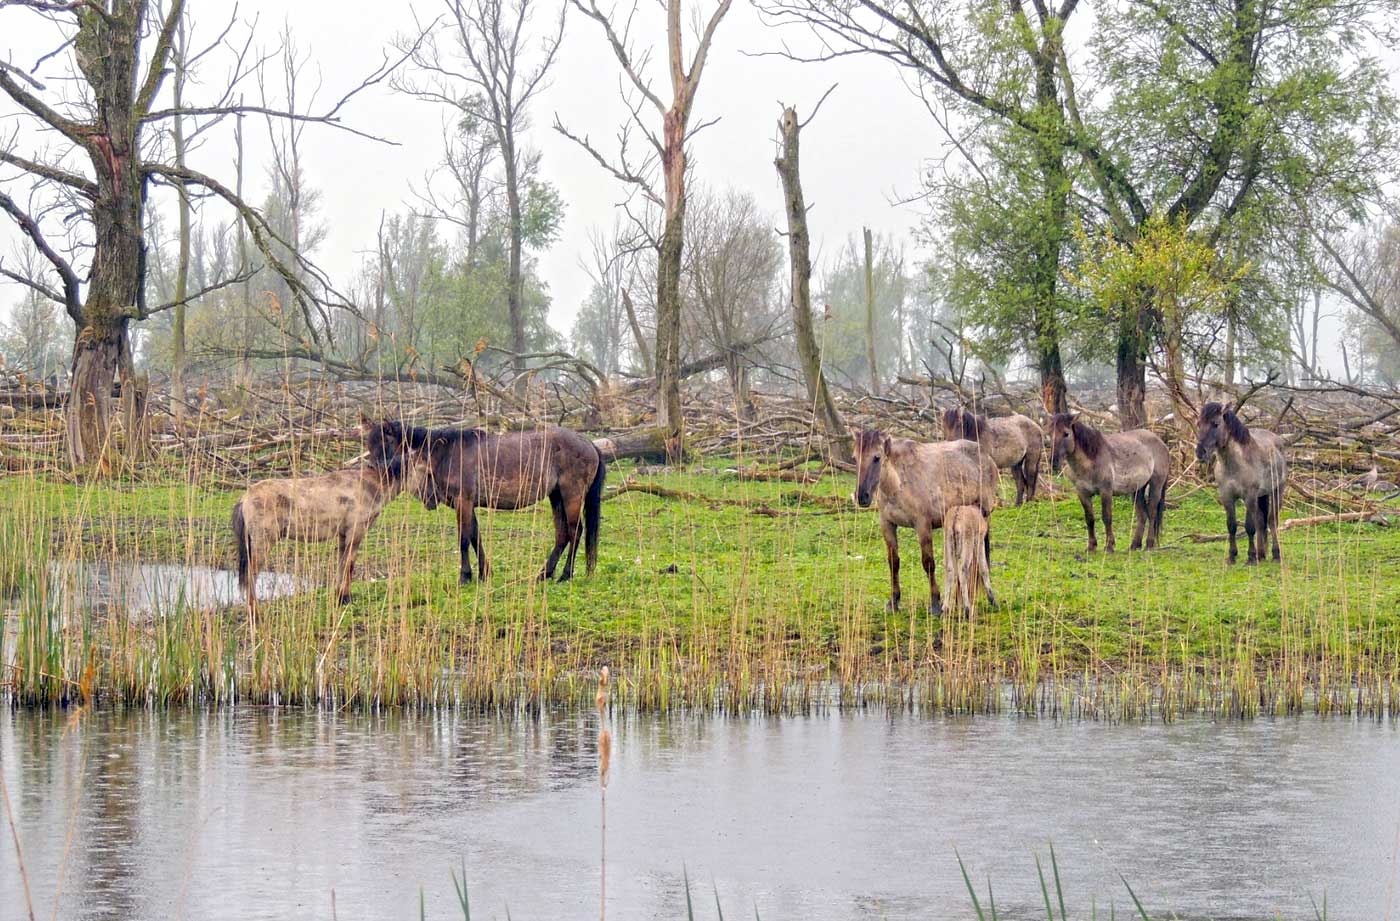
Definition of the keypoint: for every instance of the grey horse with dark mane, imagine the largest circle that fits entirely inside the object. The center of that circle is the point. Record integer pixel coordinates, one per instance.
(1133, 463)
(1014, 442)
(1249, 466)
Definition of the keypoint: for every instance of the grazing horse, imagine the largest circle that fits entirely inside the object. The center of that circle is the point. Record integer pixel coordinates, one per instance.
(1249, 465)
(917, 485)
(471, 468)
(343, 504)
(965, 538)
(1131, 463)
(1015, 443)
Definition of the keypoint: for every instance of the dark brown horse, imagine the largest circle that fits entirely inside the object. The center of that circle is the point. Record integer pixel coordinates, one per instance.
(471, 468)
(917, 485)
(1014, 442)
(1133, 463)
(1249, 466)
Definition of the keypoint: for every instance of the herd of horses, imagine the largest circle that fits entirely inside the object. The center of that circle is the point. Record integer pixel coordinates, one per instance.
(924, 486)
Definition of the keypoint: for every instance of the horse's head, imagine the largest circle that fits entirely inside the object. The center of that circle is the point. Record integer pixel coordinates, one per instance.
(384, 441)
(1210, 431)
(952, 424)
(1062, 444)
(872, 447)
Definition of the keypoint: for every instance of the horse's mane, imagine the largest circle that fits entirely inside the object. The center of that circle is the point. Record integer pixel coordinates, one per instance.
(416, 437)
(868, 438)
(1234, 425)
(971, 425)
(1086, 438)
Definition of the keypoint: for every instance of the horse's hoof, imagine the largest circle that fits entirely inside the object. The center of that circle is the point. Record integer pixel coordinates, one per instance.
(544, 576)
(565, 576)
(343, 599)
(464, 578)
(892, 605)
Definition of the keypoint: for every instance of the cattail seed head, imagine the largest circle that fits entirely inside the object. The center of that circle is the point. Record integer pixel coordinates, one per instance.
(601, 699)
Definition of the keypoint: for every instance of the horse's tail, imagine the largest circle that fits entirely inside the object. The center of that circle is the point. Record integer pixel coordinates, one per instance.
(240, 537)
(1159, 507)
(593, 513)
(1030, 467)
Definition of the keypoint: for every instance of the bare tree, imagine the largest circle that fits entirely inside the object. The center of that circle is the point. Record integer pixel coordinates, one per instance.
(1365, 270)
(668, 147)
(800, 252)
(494, 77)
(105, 125)
(731, 275)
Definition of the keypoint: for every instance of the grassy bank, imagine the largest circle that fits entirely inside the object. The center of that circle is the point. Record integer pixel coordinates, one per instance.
(723, 592)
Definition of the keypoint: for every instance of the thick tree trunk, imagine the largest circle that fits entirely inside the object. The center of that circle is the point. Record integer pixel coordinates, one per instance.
(870, 358)
(668, 289)
(1132, 370)
(108, 51)
(514, 294)
(799, 250)
(182, 265)
(97, 354)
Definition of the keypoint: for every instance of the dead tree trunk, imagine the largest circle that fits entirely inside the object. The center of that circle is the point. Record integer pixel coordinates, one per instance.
(799, 250)
(870, 312)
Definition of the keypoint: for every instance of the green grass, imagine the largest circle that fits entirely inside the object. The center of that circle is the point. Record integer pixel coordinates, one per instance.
(765, 587)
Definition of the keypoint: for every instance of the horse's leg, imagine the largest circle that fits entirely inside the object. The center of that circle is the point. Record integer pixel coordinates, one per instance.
(1106, 505)
(349, 548)
(483, 568)
(1018, 474)
(255, 553)
(561, 535)
(1275, 507)
(1087, 501)
(891, 536)
(573, 517)
(1263, 527)
(1139, 515)
(1251, 518)
(466, 522)
(1232, 526)
(925, 532)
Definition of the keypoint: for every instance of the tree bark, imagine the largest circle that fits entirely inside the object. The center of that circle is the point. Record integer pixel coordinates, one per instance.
(668, 283)
(1132, 368)
(515, 282)
(182, 265)
(799, 251)
(643, 352)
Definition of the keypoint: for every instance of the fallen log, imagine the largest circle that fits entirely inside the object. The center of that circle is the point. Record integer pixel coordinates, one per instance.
(647, 445)
(1374, 516)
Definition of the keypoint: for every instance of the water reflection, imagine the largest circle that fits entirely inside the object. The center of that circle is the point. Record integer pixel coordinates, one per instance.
(142, 590)
(261, 814)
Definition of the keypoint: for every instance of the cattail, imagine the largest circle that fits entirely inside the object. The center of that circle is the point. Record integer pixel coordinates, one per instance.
(602, 699)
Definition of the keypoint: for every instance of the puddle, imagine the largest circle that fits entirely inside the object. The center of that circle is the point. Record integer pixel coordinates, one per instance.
(145, 590)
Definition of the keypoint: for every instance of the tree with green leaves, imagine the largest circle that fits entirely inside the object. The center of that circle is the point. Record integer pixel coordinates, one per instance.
(1196, 110)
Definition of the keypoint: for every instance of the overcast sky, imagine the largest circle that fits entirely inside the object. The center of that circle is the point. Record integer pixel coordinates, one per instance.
(861, 154)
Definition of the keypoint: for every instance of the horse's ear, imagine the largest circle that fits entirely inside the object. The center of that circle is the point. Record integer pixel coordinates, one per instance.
(365, 424)
(887, 445)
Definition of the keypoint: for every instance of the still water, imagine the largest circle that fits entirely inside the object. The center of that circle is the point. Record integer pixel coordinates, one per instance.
(271, 814)
(146, 590)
